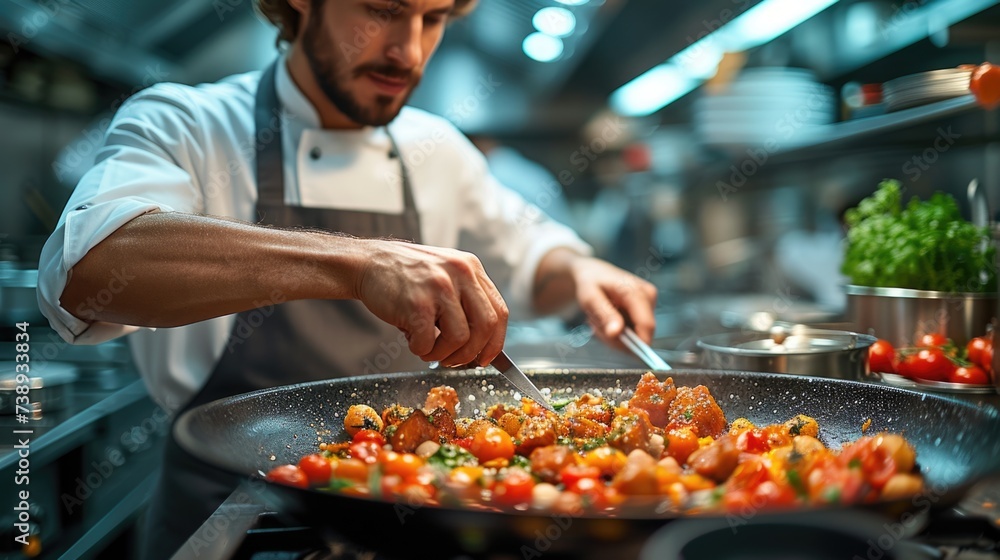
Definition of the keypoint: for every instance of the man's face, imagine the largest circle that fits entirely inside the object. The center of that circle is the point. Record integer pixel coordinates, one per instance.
(368, 56)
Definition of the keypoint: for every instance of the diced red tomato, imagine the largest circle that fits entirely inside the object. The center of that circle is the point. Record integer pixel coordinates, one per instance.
(464, 442)
(317, 469)
(753, 441)
(289, 475)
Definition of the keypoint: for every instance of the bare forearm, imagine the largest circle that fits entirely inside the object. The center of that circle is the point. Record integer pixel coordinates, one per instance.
(170, 269)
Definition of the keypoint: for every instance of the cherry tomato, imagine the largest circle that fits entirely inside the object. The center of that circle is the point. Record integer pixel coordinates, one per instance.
(929, 364)
(289, 475)
(351, 469)
(969, 374)
(974, 349)
(932, 340)
(317, 469)
(514, 489)
(571, 474)
(986, 358)
(369, 435)
(882, 357)
(985, 85)
(404, 465)
(366, 451)
(591, 491)
(492, 443)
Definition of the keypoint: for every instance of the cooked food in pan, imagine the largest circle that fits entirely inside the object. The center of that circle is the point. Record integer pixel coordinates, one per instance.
(669, 446)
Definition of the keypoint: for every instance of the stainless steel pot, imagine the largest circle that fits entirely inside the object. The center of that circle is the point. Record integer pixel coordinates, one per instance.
(801, 351)
(18, 302)
(902, 316)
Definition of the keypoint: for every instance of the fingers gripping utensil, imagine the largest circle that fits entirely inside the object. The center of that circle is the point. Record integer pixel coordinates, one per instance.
(518, 379)
(639, 347)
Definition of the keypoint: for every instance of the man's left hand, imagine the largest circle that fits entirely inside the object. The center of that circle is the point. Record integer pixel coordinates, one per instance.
(610, 296)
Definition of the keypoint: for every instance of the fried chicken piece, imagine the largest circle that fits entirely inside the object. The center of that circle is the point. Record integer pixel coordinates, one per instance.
(654, 397)
(717, 460)
(412, 432)
(535, 432)
(580, 427)
(547, 462)
(695, 408)
(630, 431)
(590, 407)
(444, 423)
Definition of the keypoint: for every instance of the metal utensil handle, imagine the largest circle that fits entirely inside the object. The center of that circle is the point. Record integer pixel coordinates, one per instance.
(639, 347)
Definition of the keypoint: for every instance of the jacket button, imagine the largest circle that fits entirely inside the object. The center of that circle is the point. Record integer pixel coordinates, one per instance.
(315, 153)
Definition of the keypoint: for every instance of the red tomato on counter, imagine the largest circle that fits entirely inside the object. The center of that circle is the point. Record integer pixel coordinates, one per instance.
(882, 357)
(930, 364)
(969, 374)
(980, 351)
(985, 85)
(932, 340)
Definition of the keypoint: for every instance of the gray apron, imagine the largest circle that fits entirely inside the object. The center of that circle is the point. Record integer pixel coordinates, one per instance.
(290, 342)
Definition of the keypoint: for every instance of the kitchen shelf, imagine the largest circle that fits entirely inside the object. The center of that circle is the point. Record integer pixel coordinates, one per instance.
(863, 128)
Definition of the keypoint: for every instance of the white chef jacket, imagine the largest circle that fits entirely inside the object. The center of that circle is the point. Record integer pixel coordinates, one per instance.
(177, 148)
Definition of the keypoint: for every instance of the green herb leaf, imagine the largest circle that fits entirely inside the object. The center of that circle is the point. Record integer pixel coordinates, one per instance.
(451, 456)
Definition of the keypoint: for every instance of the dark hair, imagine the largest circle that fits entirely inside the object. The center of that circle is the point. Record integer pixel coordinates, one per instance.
(286, 19)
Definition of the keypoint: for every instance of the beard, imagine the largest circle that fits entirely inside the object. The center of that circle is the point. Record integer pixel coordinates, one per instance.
(333, 73)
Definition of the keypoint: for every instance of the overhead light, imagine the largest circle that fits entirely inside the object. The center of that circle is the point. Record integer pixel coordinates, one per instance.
(557, 22)
(652, 91)
(573, 2)
(542, 47)
(686, 70)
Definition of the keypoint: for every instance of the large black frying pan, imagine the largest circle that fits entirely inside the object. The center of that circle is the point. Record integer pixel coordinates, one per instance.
(957, 444)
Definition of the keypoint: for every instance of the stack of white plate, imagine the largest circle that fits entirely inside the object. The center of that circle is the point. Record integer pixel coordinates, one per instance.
(771, 107)
(925, 87)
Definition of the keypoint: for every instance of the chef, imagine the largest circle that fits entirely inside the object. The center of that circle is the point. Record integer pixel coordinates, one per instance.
(300, 223)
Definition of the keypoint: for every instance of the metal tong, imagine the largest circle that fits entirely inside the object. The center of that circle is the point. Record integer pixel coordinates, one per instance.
(643, 351)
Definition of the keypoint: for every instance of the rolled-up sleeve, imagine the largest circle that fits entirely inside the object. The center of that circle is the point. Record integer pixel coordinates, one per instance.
(144, 165)
(510, 235)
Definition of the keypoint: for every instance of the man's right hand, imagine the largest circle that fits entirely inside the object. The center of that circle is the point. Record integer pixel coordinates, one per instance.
(441, 299)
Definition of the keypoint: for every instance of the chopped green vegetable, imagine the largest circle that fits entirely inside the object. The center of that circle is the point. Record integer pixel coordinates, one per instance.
(560, 404)
(338, 484)
(451, 456)
(832, 495)
(796, 483)
(688, 414)
(521, 461)
(593, 443)
(855, 463)
(925, 246)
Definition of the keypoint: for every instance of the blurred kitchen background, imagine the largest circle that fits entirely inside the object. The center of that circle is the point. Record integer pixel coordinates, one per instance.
(709, 146)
